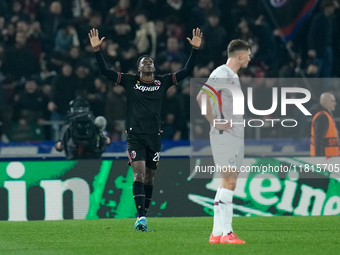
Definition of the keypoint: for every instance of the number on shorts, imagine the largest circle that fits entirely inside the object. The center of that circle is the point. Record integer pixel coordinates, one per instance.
(156, 157)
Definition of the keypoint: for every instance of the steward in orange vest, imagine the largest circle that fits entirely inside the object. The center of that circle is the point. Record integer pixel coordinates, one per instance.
(324, 134)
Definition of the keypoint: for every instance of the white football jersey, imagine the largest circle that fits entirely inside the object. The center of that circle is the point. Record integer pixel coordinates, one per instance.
(221, 76)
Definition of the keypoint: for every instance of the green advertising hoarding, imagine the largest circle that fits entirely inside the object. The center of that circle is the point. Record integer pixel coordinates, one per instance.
(91, 189)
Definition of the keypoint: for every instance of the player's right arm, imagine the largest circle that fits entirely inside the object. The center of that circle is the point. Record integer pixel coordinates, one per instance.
(96, 43)
(209, 115)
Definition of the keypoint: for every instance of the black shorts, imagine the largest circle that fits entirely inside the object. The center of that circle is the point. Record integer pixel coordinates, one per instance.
(145, 147)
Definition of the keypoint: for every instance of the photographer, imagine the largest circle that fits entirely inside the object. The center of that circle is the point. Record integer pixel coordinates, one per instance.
(82, 136)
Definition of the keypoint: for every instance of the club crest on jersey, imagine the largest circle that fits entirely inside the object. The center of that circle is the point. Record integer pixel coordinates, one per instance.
(158, 82)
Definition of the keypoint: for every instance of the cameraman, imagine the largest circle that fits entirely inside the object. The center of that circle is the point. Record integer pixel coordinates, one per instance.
(82, 136)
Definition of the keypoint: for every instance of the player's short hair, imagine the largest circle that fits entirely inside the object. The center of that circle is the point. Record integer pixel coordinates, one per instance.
(141, 57)
(237, 45)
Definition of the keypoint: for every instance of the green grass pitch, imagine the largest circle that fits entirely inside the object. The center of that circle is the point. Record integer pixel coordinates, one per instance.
(173, 236)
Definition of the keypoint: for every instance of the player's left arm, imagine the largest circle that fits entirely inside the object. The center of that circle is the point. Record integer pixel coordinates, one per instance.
(189, 66)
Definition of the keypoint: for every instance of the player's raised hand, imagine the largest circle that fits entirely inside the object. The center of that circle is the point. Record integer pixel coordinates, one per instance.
(196, 38)
(94, 39)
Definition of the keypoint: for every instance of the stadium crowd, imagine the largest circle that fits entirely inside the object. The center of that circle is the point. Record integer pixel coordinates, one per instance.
(46, 58)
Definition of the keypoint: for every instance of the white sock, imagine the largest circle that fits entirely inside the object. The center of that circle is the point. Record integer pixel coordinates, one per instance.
(226, 209)
(217, 228)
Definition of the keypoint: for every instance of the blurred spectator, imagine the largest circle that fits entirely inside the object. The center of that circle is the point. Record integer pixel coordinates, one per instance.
(145, 38)
(97, 99)
(78, 6)
(337, 45)
(266, 45)
(247, 81)
(16, 13)
(241, 10)
(177, 8)
(2, 107)
(31, 8)
(84, 17)
(172, 113)
(288, 69)
(198, 13)
(85, 87)
(115, 112)
(320, 40)
(202, 72)
(3, 7)
(74, 56)
(121, 12)
(263, 100)
(8, 34)
(161, 35)
(46, 74)
(174, 28)
(35, 37)
(22, 27)
(203, 59)
(185, 97)
(50, 21)
(122, 35)
(63, 91)
(173, 51)
(111, 53)
(55, 61)
(244, 32)
(265, 90)
(155, 8)
(163, 65)
(19, 61)
(96, 21)
(260, 37)
(128, 60)
(214, 35)
(2, 27)
(66, 38)
(30, 113)
(324, 133)
(10, 89)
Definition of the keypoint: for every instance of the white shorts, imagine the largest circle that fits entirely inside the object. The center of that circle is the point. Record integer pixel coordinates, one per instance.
(227, 150)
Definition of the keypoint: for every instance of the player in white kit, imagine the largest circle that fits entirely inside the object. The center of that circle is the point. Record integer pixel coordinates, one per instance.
(226, 137)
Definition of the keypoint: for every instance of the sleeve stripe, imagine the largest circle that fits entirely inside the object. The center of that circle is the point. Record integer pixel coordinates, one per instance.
(174, 79)
(119, 78)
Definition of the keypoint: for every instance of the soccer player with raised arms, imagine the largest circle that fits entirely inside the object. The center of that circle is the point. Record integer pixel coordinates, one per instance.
(227, 142)
(145, 96)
